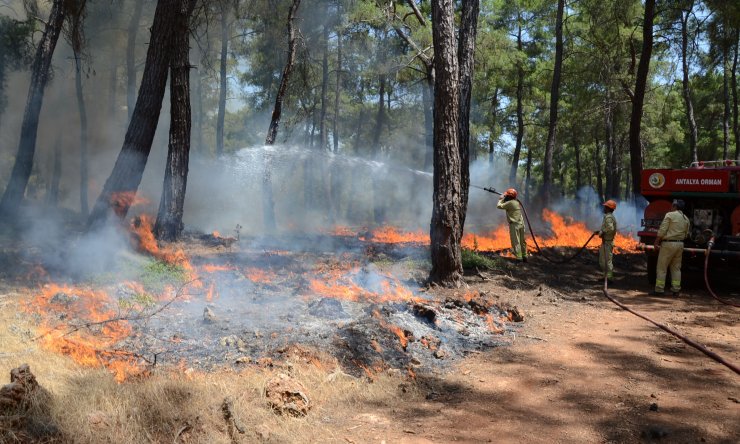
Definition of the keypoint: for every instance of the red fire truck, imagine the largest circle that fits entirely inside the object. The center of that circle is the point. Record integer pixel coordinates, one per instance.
(711, 191)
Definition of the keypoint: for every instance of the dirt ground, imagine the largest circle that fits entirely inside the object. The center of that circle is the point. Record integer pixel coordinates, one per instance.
(578, 370)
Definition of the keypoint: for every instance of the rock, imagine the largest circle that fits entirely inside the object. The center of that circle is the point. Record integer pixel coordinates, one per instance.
(262, 432)
(440, 354)
(327, 308)
(425, 312)
(514, 314)
(243, 360)
(232, 341)
(64, 299)
(287, 396)
(209, 317)
(653, 407)
(21, 391)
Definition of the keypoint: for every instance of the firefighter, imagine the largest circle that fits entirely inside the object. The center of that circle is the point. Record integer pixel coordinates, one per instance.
(671, 234)
(513, 209)
(606, 233)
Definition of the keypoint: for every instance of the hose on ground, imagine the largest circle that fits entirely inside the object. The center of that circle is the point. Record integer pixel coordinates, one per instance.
(673, 332)
(706, 275)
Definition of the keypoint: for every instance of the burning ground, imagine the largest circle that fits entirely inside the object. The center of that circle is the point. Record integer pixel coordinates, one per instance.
(183, 327)
(212, 301)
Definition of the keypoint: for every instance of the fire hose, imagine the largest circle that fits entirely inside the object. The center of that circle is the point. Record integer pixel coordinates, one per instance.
(710, 244)
(605, 289)
(534, 238)
(673, 332)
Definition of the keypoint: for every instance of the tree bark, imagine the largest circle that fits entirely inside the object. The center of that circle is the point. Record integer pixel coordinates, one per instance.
(494, 122)
(554, 99)
(268, 200)
(52, 199)
(337, 92)
(378, 198)
(133, 31)
(324, 88)
(519, 107)
(427, 95)
(528, 176)
(445, 223)
(84, 210)
(686, 90)
(597, 167)
(199, 145)
(733, 84)
(21, 173)
(169, 225)
(577, 150)
(639, 98)
(610, 169)
(466, 62)
(221, 117)
(726, 100)
(121, 186)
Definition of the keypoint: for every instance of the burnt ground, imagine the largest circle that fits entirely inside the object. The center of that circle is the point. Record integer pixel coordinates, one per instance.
(578, 369)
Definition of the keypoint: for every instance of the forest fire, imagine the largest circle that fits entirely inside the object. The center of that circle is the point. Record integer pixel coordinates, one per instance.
(145, 242)
(86, 328)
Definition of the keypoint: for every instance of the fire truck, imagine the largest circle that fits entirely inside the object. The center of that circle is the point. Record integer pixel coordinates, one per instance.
(711, 191)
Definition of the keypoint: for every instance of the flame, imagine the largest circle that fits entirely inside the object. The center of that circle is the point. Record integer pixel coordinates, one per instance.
(141, 227)
(392, 235)
(260, 276)
(211, 292)
(340, 284)
(216, 234)
(123, 200)
(395, 329)
(93, 343)
(570, 233)
(212, 268)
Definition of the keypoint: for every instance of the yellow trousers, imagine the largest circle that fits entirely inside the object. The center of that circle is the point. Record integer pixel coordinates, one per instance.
(518, 244)
(605, 258)
(670, 255)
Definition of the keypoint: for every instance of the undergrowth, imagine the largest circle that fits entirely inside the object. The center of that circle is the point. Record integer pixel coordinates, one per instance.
(472, 259)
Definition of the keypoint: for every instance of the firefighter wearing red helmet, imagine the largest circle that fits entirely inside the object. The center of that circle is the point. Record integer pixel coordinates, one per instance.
(513, 208)
(606, 233)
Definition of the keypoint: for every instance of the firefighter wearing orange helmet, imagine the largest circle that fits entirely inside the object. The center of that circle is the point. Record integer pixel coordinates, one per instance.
(513, 208)
(606, 233)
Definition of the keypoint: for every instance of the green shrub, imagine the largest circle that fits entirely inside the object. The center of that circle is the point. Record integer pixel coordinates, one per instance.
(471, 259)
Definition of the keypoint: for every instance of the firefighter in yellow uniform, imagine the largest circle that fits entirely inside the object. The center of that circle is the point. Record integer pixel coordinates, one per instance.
(607, 233)
(513, 209)
(671, 234)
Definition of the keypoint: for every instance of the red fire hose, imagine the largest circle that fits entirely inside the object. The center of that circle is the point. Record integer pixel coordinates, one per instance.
(683, 338)
(706, 277)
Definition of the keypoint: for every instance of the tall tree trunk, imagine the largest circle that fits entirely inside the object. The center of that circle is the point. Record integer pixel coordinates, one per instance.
(726, 100)
(324, 88)
(121, 186)
(445, 225)
(16, 188)
(733, 84)
(133, 32)
(220, 118)
(519, 107)
(113, 86)
(639, 97)
(199, 145)
(52, 199)
(285, 78)
(169, 224)
(577, 150)
(427, 95)
(528, 176)
(610, 167)
(84, 210)
(337, 92)
(466, 62)
(597, 167)
(378, 195)
(494, 123)
(554, 99)
(268, 201)
(686, 90)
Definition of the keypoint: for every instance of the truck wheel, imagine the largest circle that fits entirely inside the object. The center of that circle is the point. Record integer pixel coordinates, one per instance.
(652, 267)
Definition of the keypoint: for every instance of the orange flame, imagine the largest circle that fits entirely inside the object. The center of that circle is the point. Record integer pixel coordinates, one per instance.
(141, 226)
(93, 345)
(340, 284)
(123, 200)
(260, 276)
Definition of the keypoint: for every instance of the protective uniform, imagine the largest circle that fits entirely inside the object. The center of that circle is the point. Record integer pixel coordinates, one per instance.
(516, 226)
(673, 230)
(607, 233)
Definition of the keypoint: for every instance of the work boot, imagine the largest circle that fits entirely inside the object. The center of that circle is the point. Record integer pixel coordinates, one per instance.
(657, 293)
(524, 259)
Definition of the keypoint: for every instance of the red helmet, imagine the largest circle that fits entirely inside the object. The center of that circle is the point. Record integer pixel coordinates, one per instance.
(610, 204)
(511, 192)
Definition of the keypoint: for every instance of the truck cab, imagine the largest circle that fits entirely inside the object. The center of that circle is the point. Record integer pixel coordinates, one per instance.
(712, 195)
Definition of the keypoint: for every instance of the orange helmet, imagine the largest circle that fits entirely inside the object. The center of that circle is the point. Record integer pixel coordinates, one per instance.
(511, 192)
(610, 204)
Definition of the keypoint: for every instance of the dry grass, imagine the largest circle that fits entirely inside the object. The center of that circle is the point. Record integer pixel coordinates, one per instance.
(89, 406)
